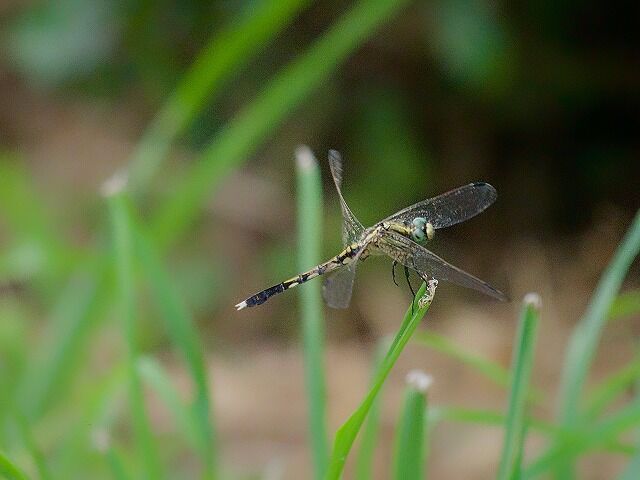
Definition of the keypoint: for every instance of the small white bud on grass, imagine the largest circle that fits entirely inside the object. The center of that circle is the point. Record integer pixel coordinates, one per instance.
(305, 157)
(115, 184)
(418, 380)
(534, 300)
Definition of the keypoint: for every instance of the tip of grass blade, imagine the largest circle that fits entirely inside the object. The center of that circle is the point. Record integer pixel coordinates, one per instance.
(419, 380)
(115, 184)
(533, 300)
(305, 158)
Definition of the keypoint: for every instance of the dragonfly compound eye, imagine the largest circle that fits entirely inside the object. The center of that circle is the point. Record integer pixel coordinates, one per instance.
(418, 230)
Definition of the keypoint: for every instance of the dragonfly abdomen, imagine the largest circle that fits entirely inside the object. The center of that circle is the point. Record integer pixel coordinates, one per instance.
(343, 258)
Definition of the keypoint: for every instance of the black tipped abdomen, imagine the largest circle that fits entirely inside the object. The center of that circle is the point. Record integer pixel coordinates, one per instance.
(263, 296)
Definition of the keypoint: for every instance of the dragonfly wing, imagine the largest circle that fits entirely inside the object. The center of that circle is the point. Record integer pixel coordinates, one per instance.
(351, 227)
(428, 264)
(338, 286)
(451, 207)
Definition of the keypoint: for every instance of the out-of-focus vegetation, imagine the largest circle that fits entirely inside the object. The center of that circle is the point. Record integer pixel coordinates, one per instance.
(146, 185)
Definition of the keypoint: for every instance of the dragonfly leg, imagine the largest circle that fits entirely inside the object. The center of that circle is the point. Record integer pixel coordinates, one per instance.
(406, 274)
(413, 294)
(393, 272)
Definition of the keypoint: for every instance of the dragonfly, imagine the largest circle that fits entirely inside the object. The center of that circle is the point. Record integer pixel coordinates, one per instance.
(402, 236)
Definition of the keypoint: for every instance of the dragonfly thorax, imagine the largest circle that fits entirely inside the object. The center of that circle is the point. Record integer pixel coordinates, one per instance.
(421, 230)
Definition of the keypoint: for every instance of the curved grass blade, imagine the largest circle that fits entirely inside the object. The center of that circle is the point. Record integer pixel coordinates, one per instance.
(309, 241)
(410, 453)
(488, 417)
(123, 237)
(252, 125)
(181, 329)
(10, 470)
(155, 376)
(625, 305)
(440, 343)
(99, 408)
(492, 370)
(583, 439)
(586, 335)
(228, 150)
(346, 434)
(612, 387)
(364, 461)
(117, 464)
(27, 216)
(521, 366)
(78, 307)
(228, 51)
(31, 444)
(207, 74)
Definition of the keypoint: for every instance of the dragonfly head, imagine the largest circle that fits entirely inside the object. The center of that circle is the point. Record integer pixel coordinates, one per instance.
(421, 230)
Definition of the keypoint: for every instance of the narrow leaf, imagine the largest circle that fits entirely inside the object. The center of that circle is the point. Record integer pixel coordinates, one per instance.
(521, 366)
(123, 237)
(227, 51)
(409, 457)
(263, 115)
(309, 244)
(346, 434)
(10, 470)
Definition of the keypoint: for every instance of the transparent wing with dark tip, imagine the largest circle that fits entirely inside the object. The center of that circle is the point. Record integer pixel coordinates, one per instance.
(450, 208)
(428, 264)
(351, 227)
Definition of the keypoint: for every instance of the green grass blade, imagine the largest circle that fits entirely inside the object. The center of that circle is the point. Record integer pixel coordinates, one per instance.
(611, 388)
(489, 369)
(488, 417)
(586, 335)
(97, 411)
(25, 214)
(123, 238)
(79, 306)
(521, 367)
(409, 457)
(155, 376)
(366, 453)
(447, 413)
(254, 123)
(309, 245)
(181, 329)
(585, 438)
(584, 340)
(625, 305)
(10, 470)
(32, 445)
(228, 51)
(228, 150)
(346, 434)
(240, 42)
(116, 464)
(492, 370)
